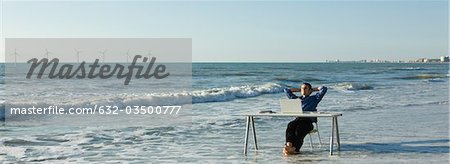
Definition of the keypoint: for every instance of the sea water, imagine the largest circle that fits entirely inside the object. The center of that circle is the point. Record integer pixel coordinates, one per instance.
(392, 112)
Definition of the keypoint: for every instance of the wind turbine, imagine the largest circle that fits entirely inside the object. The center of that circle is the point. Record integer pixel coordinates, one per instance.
(128, 55)
(15, 56)
(149, 54)
(78, 55)
(103, 54)
(47, 52)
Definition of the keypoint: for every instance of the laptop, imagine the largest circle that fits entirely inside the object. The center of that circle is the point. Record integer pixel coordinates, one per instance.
(291, 106)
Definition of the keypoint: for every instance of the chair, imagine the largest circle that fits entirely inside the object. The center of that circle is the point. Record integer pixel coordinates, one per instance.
(292, 106)
(315, 130)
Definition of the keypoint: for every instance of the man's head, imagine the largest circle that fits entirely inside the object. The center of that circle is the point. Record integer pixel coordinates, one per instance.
(306, 89)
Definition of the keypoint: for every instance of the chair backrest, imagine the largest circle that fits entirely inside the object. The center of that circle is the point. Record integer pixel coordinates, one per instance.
(291, 106)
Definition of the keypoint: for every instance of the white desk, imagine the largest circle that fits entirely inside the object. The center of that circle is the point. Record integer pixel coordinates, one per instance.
(334, 126)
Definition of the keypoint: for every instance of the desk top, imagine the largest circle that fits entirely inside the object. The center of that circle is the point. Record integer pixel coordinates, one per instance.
(304, 114)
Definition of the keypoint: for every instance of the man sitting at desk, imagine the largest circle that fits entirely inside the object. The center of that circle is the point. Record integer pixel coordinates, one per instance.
(301, 126)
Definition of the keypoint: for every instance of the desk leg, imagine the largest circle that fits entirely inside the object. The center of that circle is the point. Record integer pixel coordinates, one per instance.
(332, 136)
(254, 132)
(337, 135)
(247, 126)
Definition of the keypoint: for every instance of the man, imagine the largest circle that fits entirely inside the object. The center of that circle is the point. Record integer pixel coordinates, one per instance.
(301, 126)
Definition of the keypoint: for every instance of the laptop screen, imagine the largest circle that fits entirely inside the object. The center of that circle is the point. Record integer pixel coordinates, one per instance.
(291, 106)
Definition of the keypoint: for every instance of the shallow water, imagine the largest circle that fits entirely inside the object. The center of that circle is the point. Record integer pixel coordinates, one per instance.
(388, 117)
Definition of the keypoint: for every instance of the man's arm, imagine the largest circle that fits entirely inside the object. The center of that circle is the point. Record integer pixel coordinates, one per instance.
(322, 91)
(289, 93)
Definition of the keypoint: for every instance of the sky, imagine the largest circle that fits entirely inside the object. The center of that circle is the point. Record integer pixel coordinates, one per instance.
(236, 31)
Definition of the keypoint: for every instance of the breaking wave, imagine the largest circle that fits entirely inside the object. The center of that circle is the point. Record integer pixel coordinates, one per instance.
(422, 76)
(353, 86)
(409, 68)
(178, 98)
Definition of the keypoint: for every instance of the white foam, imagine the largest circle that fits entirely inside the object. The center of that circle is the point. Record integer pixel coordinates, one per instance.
(353, 86)
(175, 98)
(17, 152)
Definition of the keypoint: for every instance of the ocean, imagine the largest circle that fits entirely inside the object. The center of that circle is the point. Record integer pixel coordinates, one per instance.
(392, 113)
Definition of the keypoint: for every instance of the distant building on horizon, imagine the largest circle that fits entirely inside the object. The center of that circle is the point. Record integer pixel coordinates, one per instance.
(421, 60)
(432, 60)
(444, 59)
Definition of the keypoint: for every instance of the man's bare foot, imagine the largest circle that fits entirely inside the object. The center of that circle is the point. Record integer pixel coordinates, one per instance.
(289, 149)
